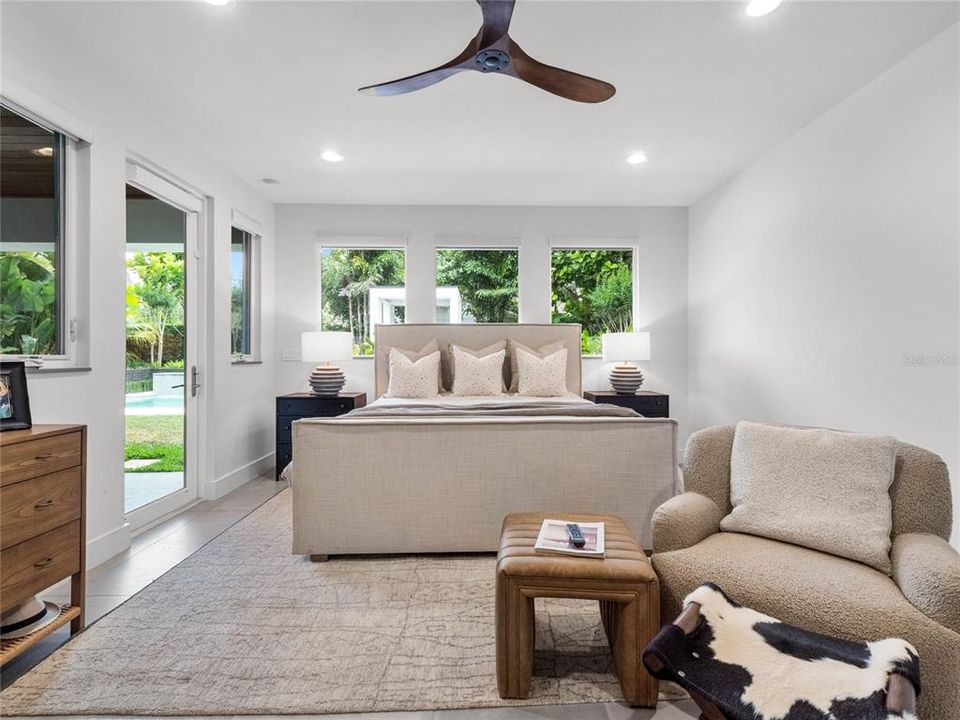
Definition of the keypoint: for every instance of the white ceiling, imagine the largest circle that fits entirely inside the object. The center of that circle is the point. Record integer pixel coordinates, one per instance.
(261, 86)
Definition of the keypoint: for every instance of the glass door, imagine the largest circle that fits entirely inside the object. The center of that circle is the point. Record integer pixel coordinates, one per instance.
(162, 376)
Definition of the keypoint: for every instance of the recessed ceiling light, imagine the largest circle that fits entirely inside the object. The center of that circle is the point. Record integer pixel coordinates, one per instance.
(331, 156)
(42, 152)
(637, 158)
(219, 2)
(759, 8)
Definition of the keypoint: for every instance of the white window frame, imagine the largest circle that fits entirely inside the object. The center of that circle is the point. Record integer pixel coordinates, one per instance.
(73, 279)
(465, 241)
(618, 244)
(247, 224)
(358, 242)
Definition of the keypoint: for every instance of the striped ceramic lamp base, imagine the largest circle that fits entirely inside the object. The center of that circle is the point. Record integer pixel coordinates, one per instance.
(326, 380)
(625, 379)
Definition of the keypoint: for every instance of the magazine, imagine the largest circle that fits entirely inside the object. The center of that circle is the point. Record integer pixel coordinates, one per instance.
(553, 538)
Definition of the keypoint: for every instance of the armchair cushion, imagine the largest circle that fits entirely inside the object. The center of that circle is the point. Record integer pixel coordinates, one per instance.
(822, 489)
(683, 521)
(927, 570)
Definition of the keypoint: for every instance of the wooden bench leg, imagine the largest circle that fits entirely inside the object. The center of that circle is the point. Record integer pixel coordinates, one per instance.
(515, 640)
(630, 627)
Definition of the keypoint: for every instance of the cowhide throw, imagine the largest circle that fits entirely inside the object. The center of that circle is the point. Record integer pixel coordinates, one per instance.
(754, 667)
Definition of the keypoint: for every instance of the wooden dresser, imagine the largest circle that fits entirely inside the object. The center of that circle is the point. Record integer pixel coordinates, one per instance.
(43, 484)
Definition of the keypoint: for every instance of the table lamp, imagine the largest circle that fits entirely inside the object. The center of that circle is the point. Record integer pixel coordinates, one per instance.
(625, 377)
(326, 347)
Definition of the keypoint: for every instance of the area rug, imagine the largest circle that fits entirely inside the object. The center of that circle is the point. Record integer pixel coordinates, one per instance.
(244, 627)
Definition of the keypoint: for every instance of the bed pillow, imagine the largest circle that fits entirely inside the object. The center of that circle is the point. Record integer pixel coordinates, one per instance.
(431, 347)
(477, 375)
(447, 369)
(542, 376)
(548, 349)
(822, 489)
(413, 378)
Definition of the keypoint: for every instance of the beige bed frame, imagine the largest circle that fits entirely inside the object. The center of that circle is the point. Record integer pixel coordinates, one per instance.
(403, 485)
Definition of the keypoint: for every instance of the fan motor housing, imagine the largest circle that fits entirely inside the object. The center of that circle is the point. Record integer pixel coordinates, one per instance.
(491, 60)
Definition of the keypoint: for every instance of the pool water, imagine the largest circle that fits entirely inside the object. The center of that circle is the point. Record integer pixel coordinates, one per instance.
(152, 404)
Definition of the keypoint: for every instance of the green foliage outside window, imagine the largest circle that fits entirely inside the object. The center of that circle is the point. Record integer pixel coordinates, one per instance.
(347, 276)
(28, 303)
(486, 279)
(155, 302)
(593, 288)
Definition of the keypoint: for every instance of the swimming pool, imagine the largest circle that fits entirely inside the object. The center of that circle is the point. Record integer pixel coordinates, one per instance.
(153, 404)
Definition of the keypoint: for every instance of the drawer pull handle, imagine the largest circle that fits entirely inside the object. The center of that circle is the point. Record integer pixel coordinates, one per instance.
(45, 456)
(43, 563)
(43, 504)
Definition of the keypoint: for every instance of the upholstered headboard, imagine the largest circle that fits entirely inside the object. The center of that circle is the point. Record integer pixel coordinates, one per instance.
(414, 337)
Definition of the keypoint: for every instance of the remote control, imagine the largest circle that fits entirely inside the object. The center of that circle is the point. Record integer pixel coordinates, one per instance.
(576, 537)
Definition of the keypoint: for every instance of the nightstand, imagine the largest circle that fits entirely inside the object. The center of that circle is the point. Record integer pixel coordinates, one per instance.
(304, 405)
(649, 404)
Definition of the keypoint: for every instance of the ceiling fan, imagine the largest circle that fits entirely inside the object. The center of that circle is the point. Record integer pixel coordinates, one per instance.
(494, 51)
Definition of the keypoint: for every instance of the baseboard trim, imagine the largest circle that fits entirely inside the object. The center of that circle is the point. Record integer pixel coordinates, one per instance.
(111, 543)
(213, 489)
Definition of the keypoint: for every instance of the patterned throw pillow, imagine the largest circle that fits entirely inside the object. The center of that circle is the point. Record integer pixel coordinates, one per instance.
(447, 369)
(431, 347)
(413, 379)
(477, 375)
(542, 377)
(541, 353)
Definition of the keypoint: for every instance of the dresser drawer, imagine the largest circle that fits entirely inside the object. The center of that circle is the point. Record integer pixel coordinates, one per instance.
(35, 565)
(33, 507)
(656, 406)
(285, 423)
(33, 458)
(313, 406)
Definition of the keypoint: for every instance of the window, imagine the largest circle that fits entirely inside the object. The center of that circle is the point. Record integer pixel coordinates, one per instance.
(359, 289)
(32, 210)
(477, 286)
(243, 297)
(593, 287)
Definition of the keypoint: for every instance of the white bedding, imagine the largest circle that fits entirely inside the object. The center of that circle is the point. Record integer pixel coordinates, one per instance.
(467, 400)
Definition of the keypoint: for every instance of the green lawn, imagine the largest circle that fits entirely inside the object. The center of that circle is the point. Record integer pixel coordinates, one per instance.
(155, 437)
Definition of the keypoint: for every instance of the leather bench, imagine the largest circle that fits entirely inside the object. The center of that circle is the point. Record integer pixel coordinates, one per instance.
(623, 582)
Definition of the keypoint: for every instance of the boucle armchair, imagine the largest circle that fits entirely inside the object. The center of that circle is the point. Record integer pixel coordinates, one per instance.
(824, 593)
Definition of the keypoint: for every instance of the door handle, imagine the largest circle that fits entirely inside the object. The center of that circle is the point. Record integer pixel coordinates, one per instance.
(174, 387)
(194, 385)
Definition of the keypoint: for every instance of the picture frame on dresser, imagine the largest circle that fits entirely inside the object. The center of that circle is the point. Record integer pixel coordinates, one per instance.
(14, 398)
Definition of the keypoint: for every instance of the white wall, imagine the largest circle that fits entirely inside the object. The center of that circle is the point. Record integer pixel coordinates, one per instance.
(660, 232)
(239, 398)
(820, 272)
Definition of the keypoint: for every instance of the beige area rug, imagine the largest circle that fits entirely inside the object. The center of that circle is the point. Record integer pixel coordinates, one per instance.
(244, 627)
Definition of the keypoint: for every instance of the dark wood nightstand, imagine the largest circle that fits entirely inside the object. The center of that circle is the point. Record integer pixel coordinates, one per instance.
(649, 404)
(304, 405)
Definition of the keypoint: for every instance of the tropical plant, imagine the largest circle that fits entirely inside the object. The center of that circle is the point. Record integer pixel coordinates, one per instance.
(155, 300)
(486, 280)
(28, 298)
(593, 288)
(347, 276)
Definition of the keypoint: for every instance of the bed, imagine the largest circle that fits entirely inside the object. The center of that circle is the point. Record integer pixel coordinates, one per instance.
(439, 475)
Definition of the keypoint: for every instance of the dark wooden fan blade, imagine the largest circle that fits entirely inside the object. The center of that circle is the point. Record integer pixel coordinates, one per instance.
(564, 83)
(428, 77)
(496, 20)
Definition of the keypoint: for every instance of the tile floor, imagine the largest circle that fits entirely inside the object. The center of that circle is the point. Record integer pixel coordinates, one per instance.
(158, 549)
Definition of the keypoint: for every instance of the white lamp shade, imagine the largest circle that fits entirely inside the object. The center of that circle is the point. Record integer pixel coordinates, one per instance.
(326, 346)
(618, 347)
